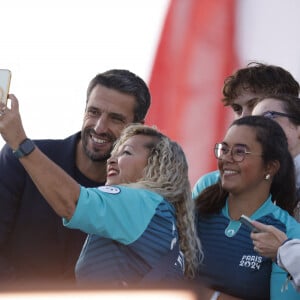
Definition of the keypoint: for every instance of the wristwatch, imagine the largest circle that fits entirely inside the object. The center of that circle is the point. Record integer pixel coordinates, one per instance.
(25, 148)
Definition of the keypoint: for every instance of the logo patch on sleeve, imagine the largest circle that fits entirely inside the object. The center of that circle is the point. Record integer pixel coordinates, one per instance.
(109, 189)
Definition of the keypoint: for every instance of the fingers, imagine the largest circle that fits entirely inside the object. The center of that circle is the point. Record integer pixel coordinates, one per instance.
(272, 231)
(258, 247)
(14, 102)
(13, 107)
(2, 107)
(12, 97)
(255, 245)
(2, 111)
(261, 226)
(266, 243)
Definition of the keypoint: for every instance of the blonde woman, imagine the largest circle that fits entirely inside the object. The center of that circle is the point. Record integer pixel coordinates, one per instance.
(141, 226)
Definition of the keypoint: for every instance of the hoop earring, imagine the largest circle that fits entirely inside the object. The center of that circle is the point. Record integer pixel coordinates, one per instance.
(267, 177)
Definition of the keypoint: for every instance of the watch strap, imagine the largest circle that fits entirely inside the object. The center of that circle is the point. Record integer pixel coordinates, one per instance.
(25, 148)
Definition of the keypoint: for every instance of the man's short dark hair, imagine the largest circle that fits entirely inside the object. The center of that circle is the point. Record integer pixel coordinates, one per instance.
(128, 83)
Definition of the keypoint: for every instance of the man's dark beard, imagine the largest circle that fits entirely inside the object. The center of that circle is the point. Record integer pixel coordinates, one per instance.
(92, 155)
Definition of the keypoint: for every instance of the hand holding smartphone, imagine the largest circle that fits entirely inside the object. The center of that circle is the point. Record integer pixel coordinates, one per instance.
(5, 77)
(248, 222)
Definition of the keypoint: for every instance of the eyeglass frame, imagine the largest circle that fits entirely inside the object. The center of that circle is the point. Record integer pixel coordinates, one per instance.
(217, 147)
(273, 113)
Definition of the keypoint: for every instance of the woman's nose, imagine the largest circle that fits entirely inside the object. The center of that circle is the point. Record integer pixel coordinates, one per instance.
(112, 159)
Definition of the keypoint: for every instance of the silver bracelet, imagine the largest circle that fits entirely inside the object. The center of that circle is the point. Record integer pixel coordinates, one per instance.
(215, 295)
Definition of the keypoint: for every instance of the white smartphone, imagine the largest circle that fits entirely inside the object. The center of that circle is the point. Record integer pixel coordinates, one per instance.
(248, 222)
(5, 77)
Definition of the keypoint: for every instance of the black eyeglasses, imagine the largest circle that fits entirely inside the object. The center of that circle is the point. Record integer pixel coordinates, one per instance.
(273, 114)
(238, 152)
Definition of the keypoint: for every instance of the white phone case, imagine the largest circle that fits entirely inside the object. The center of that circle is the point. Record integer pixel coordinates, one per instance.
(5, 77)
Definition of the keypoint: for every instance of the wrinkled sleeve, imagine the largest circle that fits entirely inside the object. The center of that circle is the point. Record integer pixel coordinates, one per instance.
(281, 287)
(118, 213)
(288, 257)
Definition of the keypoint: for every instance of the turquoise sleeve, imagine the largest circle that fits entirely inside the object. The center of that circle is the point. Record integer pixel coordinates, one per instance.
(119, 213)
(281, 287)
(204, 182)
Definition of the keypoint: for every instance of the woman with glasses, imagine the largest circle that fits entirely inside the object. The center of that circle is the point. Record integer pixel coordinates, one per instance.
(242, 90)
(255, 168)
(285, 110)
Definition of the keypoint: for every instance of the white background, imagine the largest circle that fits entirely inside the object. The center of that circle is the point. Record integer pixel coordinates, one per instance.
(54, 48)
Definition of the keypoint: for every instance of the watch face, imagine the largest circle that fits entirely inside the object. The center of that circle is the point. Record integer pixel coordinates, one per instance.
(27, 146)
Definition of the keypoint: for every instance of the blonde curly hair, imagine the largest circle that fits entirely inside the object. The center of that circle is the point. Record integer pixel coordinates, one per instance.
(167, 174)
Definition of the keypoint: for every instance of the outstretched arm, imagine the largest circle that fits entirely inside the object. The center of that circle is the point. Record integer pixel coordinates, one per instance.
(59, 189)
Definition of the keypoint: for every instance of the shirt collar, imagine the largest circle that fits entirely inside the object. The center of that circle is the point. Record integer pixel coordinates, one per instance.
(268, 206)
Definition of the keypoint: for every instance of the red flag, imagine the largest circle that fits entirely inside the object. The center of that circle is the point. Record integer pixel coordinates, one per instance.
(195, 54)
